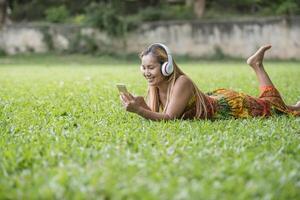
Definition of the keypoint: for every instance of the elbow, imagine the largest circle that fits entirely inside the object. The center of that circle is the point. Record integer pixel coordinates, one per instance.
(165, 117)
(172, 115)
(168, 117)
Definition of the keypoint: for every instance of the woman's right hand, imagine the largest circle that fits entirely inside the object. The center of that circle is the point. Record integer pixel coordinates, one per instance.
(132, 103)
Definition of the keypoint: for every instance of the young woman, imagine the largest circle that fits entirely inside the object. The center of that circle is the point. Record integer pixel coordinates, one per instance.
(173, 95)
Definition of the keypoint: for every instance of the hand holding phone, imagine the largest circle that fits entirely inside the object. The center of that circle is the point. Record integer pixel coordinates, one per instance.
(122, 88)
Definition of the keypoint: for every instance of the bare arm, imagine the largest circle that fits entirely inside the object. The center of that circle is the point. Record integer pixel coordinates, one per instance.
(180, 97)
(138, 105)
(156, 116)
(181, 94)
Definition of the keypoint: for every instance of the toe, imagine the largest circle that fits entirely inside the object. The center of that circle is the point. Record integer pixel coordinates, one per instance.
(267, 46)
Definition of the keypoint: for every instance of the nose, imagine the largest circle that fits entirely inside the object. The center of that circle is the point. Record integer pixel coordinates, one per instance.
(147, 72)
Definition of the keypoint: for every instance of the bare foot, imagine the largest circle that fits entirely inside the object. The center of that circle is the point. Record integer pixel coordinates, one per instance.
(256, 59)
(295, 107)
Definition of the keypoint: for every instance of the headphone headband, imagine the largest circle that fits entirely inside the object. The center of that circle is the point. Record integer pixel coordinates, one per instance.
(164, 47)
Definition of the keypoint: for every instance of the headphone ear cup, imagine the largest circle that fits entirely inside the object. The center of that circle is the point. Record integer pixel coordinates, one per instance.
(164, 69)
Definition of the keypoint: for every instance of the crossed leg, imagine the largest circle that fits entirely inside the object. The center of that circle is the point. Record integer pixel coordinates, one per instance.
(256, 62)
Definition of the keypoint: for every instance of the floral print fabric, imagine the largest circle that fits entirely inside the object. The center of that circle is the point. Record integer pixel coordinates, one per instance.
(230, 103)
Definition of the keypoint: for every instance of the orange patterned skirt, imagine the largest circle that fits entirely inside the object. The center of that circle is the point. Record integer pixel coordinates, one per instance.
(230, 103)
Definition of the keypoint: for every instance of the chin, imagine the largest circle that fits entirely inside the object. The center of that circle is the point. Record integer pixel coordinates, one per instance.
(155, 83)
(152, 84)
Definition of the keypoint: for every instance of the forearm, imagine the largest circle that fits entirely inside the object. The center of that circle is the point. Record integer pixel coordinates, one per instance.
(148, 114)
(145, 106)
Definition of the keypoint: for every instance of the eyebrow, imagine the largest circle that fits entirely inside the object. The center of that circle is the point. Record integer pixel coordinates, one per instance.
(151, 65)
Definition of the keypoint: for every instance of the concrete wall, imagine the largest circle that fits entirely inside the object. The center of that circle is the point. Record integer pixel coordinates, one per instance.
(41, 38)
(238, 38)
(234, 38)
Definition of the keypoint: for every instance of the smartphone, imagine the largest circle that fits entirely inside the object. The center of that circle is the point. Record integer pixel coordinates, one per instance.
(122, 88)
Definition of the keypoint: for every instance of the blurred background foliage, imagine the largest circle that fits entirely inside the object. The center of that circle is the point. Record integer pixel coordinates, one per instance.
(118, 17)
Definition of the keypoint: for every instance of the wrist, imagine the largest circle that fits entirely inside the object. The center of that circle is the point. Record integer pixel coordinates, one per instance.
(139, 110)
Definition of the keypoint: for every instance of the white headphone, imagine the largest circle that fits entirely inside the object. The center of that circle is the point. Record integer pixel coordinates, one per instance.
(166, 67)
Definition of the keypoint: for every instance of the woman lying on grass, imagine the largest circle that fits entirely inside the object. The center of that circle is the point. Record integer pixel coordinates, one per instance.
(173, 95)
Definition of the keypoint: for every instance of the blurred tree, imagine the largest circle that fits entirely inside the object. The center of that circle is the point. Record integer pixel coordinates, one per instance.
(3, 12)
(57, 14)
(254, 7)
(33, 10)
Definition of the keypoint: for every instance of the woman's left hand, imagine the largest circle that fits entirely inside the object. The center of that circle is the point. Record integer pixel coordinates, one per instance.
(132, 103)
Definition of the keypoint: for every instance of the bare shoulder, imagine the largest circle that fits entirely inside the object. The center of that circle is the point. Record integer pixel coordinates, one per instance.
(183, 81)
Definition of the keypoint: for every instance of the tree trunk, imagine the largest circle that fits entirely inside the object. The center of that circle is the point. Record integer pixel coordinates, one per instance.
(3, 9)
(198, 5)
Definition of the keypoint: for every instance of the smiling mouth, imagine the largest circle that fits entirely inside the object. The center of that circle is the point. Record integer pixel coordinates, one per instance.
(150, 79)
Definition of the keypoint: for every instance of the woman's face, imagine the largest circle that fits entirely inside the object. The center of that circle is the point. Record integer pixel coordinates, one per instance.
(151, 70)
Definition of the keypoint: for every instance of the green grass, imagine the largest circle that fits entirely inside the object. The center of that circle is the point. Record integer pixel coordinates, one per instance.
(64, 135)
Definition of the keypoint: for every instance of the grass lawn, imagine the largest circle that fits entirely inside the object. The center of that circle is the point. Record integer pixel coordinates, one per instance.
(65, 135)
